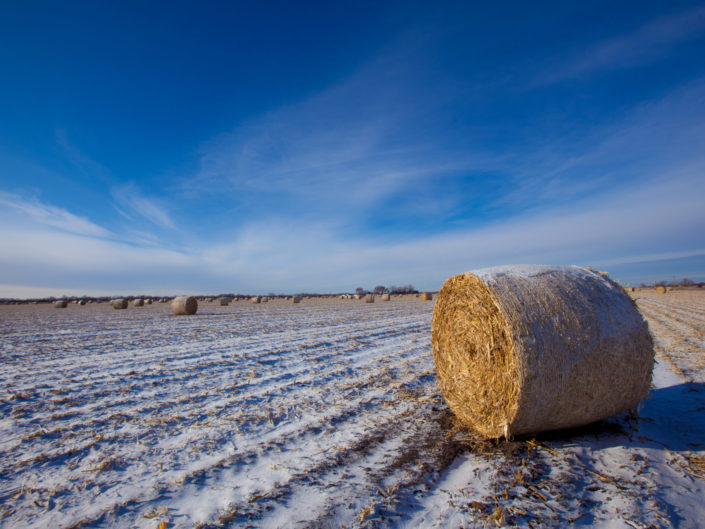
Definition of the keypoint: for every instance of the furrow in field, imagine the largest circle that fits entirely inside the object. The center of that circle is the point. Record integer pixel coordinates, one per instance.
(693, 318)
(679, 324)
(258, 395)
(348, 421)
(314, 458)
(102, 411)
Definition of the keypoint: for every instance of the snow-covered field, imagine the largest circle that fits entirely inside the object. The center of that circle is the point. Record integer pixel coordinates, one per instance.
(321, 414)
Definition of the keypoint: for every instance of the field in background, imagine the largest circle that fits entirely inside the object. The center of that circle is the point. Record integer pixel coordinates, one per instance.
(321, 414)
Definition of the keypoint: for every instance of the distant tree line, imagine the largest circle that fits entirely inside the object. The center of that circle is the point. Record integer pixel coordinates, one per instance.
(685, 282)
(381, 289)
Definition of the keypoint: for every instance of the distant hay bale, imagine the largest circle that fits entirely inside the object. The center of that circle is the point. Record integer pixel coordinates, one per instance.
(386, 297)
(521, 350)
(357, 296)
(184, 306)
(148, 302)
(660, 289)
(256, 299)
(139, 302)
(82, 302)
(119, 304)
(265, 299)
(224, 301)
(369, 298)
(60, 304)
(426, 296)
(296, 299)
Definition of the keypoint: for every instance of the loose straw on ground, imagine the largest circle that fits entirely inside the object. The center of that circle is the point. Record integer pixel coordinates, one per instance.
(525, 349)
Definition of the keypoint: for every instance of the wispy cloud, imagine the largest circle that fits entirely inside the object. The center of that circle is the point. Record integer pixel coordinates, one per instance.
(351, 147)
(131, 202)
(660, 218)
(51, 216)
(649, 42)
(79, 159)
(643, 143)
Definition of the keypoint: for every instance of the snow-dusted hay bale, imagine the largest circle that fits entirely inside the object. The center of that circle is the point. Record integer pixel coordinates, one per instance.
(224, 301)
(60, 304)
(139, 302)
(386, 297)
(524, 349)
(661, 289)
(119, 304)
(369, 298)
(184, 306)
(426, 296)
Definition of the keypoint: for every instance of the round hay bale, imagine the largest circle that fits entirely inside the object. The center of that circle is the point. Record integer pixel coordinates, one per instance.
(184, 306)
(525, 349)
(660, 289)
(139, 302)
(426, 296)
(148, 302)
(82, 302)
(369, 298)
(256, 299)
(386, 297)
(224, 301)
(119, 304)
(296, 299)
(60, 304)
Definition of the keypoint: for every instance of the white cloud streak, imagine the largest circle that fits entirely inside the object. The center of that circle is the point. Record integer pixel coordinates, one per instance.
(661, 218)
(49, 216)
(647, 43)
(131, 202)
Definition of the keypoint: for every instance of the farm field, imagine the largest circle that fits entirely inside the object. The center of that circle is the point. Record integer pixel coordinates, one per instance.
(320, 414)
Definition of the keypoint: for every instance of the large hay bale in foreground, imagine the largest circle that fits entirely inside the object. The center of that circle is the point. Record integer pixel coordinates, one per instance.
(525, 349)
(426, 296)
(184, 306)
(60, 304)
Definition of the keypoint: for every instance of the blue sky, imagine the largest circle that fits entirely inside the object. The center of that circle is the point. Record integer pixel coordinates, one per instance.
(287, 147)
